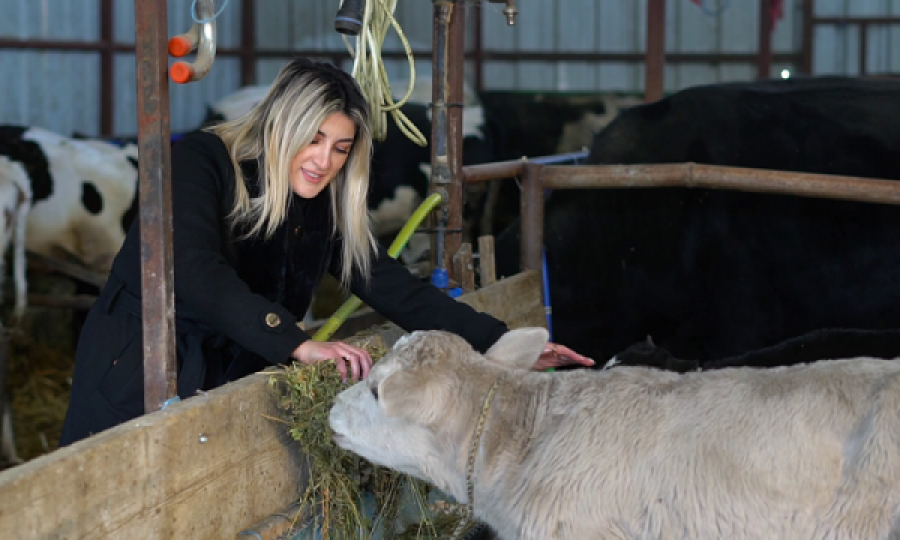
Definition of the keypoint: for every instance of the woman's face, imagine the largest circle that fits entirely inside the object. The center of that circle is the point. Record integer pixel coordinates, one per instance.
(316, 165)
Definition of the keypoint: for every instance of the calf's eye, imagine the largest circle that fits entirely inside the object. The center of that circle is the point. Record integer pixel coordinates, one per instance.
(375, 392)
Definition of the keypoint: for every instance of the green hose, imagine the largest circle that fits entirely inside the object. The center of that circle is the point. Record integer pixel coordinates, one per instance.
(353, 303)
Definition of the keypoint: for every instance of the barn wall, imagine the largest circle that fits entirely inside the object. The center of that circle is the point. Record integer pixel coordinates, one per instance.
(60, 89)
(836, 48)
(55, 89)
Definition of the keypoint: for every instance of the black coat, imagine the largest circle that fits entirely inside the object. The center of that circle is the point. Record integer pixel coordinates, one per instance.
(236, 301)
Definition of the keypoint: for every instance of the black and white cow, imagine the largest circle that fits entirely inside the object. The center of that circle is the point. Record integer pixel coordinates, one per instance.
(83, 191)
(713, 274)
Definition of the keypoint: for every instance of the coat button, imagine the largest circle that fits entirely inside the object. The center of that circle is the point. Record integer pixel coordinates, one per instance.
(273, 320)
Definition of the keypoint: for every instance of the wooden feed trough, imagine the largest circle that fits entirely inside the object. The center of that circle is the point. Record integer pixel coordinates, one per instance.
(212, 466)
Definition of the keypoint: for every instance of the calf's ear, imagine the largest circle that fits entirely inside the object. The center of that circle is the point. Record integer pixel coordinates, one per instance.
(418, 396)
(519, 348)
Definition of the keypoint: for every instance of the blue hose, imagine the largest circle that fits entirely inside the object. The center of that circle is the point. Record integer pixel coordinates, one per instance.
(548, 307)
(576, 158)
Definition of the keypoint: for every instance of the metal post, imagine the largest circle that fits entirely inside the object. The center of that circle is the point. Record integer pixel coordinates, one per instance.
(655, 62)
(532, 203)
(806, 48)
(248, 42)
(863, 47)
(151, 58)
(446, 127)
(766, 24)
(107, 67)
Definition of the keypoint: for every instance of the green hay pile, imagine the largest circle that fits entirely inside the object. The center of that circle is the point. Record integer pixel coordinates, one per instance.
(339, 479)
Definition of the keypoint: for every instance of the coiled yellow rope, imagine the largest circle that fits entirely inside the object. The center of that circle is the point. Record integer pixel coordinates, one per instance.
(369, 72)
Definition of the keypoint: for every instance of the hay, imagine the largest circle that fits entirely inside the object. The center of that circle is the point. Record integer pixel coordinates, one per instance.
(38, 383)
(339, 480)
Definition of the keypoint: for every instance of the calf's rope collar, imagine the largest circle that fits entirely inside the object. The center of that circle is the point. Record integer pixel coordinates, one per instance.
(470, 466)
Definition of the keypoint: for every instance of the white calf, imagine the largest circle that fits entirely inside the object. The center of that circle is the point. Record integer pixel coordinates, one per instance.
(15, 205)
(15, 202)
(804, 452)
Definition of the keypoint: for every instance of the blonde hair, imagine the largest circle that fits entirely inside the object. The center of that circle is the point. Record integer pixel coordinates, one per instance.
(302, 96)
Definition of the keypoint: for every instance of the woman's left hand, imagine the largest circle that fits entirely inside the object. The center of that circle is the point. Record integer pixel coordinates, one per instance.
(555, 355)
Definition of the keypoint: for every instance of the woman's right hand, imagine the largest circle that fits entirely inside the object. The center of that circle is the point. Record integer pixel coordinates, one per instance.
(347, 357)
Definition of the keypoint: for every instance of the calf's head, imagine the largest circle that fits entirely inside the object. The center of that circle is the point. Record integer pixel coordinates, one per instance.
(417, 409)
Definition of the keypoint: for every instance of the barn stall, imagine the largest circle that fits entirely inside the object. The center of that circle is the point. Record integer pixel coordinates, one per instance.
(534, 177)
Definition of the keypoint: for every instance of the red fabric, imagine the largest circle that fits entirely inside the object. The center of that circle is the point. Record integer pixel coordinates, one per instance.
(776, 10)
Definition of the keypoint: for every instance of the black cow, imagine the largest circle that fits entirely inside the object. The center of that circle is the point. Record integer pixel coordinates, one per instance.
(717, 274)
(821, 344)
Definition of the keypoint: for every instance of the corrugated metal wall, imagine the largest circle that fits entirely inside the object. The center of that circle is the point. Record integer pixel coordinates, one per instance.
(60, 90)
(836, 48)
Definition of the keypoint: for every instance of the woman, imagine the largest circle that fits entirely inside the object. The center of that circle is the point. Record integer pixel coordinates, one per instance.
(262, 206)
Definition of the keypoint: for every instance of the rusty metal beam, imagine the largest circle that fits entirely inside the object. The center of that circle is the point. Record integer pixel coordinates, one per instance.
(806, 45)
(508, 169)
(155, 192)
(456, 45)
(477, 55)
(107, 69)
(863, 48)
(694, 175)
(766, 24)
(855, 20)
(248, 42)
(532, 222)
(655, 63)
(493, 171)
(446, 127)
(486, 55)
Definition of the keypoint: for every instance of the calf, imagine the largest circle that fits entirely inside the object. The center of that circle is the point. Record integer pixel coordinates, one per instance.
(83, 191)
(15, 202)
(15, 205)
(804, 452)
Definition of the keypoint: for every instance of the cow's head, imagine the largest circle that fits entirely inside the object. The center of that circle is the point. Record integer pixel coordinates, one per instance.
(416, 410)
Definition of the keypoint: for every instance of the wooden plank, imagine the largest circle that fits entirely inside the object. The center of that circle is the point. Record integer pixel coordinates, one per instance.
(206, 467)
(515, 300)
(200, 467)
(464, 267)
(486, 261)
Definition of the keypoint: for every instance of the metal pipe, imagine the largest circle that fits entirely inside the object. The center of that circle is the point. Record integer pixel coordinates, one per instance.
(694, 175)
(446, 123)
(654, 65)
(532, 222)
(492, 55)
(863, 48)
(155, 199)
(510, 11)
(478, 47)
(806, 45)
(248, 42)
(766, 22)
(839, 20)
(107, 68)
(440, 168)
(508, 169)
